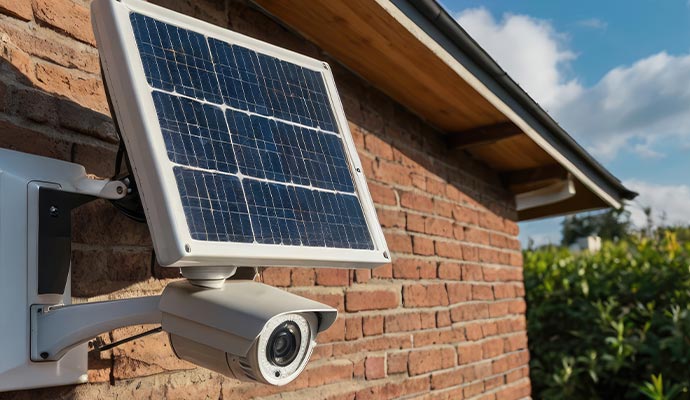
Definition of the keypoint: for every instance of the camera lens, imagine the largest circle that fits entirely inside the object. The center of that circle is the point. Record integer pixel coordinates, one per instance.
(283, 345)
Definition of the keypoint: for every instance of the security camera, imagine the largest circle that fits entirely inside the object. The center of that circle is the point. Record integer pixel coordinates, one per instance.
(244, 329)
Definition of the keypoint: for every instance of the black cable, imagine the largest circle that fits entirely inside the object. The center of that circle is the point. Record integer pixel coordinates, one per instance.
(129, 339)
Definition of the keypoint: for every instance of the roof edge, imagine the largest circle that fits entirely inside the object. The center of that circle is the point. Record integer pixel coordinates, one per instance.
(447, 25)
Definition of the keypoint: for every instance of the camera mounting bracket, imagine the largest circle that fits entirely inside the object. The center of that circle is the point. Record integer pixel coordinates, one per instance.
(37, 196)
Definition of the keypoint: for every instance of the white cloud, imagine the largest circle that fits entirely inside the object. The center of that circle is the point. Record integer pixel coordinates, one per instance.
(593, 23)
(631, 108)
(671, 200)
(529, 49)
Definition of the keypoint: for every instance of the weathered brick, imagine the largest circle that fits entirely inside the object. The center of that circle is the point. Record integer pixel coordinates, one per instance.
(415, 201)
(276, 276)
(438, 227)
(391, 172)
(83, 89)
(66, 16)
(17, 8)
(450, 270)
(399, 242)
(402, 322)
(425, 295)
(459, 292)
(372, 325)
(413, 268)
(397, 362)
(415, 222)
(371, 298)
(382, 194)
(353, 328)
(469, 353)
(449, 249)
(378, 147)
(427, 360)
(375, 367)
(391, 218)
(332, 277)
(422, 246)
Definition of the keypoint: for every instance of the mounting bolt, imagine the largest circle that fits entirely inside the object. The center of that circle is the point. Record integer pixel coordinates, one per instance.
(385, 255)
(54, 212)
(119, 190)
(187, 248)
(325, 65)
(44, 355)
(358, 169)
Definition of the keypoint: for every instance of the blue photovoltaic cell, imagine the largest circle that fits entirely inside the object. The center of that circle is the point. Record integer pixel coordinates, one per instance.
(258, 153)
(195, 134)
(214, 206)
(289, 153)
(268, 86)
(175, 59)
(297, 216)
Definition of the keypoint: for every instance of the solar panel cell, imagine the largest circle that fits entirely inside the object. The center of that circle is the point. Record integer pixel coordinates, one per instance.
(214, 206)
(175, 59)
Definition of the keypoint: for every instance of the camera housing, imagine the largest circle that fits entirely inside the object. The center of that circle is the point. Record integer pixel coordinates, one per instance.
(245, 329)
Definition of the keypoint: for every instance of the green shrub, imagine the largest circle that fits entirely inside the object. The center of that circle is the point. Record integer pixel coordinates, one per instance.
(610, 325)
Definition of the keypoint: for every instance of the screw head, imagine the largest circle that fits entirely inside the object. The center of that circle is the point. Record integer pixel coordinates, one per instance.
(54, 212)
(385, 255)
(358, 169)
(187, 248)
(119, 190)
(44, 355)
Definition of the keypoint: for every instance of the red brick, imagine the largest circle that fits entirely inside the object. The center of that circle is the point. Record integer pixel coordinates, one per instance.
(276, 276)
(473, 389)
(403, 322)
(482, 292)
(427, 360)
(450, 270)
(353, 328)
(438, 227)
(498, 309)
(333, 299)
(375, 367)
(378, 147)
(466, 215)
(449, 249)
(391, 218)
(362, 275)
(504, 291)
(332, 277)
(399, 242)
(335, 333)
(475, 235)
(79, 87)
(415, 201)
(443, 318)
(371, 298)
(458, 232)
(435, 187)
(425, 295)
(392, 173)
(17, 8)
(446, 379)
(383, 272)
(443, 208)
(472, 272)
(418, 181)
(415, 222)
(492, 347)
(66, 16)
(459, 292)
(382, 194)
(422, 246)
(469, 353)
(412, 268)
(397, 362)
(303, 277)
(372, 325)
(469, 312)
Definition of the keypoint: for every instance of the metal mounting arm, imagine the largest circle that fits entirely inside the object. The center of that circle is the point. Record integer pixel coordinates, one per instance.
(57, 329)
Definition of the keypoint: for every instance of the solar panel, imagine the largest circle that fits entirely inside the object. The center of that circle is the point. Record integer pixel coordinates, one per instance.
(256, 151)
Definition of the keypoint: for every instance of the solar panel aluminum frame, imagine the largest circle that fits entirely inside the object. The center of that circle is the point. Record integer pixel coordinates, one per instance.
(133, 105)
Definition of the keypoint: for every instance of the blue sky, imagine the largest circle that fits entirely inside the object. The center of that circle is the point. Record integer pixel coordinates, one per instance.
(614, 74)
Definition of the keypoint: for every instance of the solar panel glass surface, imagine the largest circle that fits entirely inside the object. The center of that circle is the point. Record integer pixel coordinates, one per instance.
(257, 152)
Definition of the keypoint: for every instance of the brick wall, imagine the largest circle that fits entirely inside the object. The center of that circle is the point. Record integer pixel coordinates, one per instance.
(445, 320)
